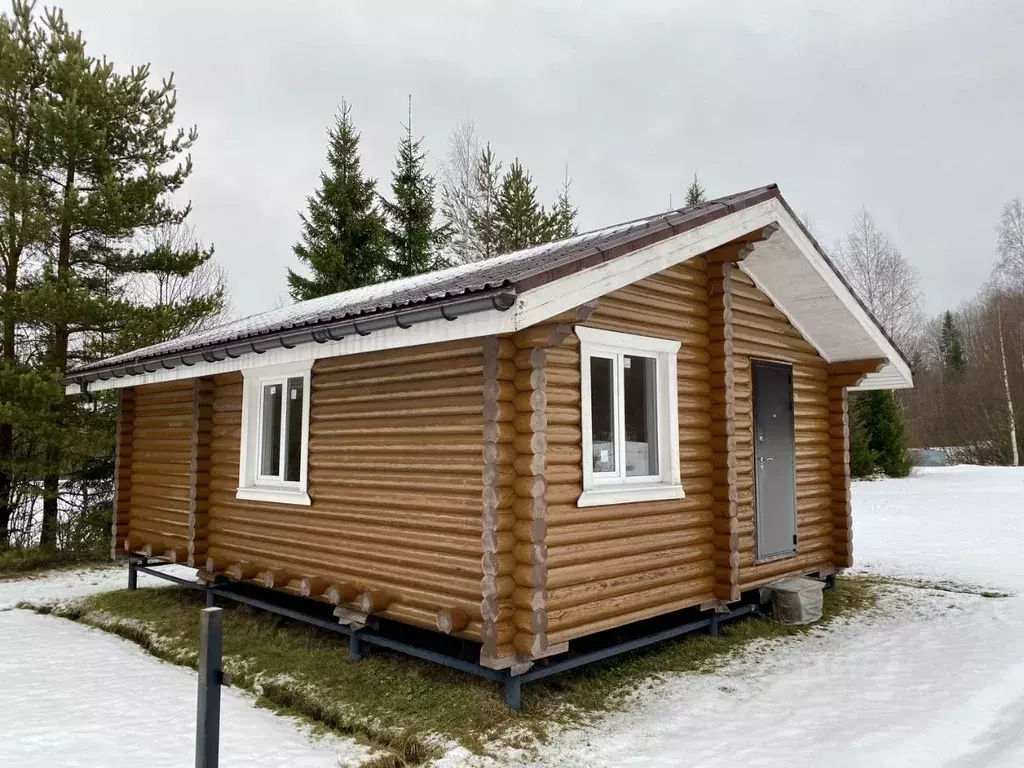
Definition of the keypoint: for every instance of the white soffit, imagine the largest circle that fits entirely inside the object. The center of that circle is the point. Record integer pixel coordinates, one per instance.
(800, 282)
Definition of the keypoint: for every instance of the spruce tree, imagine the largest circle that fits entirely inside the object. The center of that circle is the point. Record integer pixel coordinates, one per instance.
(879, 414)
(862, 458)
(344, 239)
(483, 217)
(695, 193)
(951, 345)
(106, 165)
(522, 221)
(415, 242)
(562, 218)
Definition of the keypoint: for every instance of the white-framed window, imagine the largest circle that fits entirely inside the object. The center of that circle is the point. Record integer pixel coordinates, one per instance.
(275, 434)
(630, 418)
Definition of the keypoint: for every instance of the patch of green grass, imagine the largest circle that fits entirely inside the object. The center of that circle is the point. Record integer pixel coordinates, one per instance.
(16, 563)
(403, 706)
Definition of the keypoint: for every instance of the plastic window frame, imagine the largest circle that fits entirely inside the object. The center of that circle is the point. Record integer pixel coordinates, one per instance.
(253, 486)
(602, 488)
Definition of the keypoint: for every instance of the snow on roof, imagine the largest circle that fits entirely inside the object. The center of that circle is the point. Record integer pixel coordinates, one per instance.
(539, 264)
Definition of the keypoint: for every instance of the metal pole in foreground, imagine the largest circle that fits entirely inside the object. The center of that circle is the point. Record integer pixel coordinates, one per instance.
(210, 679)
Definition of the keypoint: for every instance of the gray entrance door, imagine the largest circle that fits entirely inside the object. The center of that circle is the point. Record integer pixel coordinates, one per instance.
(774, 459)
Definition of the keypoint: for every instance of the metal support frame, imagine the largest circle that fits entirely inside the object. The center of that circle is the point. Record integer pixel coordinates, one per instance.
(355, 646)
(512, 683)
(133, 576)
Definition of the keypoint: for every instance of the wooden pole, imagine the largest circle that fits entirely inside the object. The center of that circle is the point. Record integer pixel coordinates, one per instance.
(210, 678)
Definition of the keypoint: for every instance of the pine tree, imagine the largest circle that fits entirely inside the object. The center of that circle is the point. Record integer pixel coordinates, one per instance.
(951, 345)
(695, 193)
(24, 226)
(522, 221)
(415, 242)
(484, 218)
(562, 218)
(344, 235)
(106, 165)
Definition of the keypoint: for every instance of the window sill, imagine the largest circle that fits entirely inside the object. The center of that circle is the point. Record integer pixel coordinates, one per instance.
(625, 494)
(274, 495)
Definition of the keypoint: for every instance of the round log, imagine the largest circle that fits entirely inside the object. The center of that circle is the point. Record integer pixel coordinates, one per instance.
(452, 620)
(374, 601)
(338, 593)
(312, 586)
(241, 571)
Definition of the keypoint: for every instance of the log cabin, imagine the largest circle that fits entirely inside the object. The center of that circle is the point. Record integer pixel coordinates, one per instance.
(522, 451)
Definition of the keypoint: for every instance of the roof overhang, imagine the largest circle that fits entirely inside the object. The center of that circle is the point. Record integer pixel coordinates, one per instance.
(784, 261)
(786, 264)
(792, 271)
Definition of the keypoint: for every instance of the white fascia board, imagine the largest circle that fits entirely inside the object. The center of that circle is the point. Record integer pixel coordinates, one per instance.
(569, 292)
(792, 229)
(531, 307)
(430, 332)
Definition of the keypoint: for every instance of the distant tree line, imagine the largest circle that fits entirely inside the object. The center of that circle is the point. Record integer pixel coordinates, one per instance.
(968, 362)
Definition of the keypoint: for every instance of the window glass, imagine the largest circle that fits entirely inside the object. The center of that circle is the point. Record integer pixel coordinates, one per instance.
(640, 411)
(602, 410)
(293, 430)
(270, 431)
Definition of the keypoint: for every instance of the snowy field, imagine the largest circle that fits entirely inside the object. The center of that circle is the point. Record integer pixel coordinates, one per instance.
(937, 679)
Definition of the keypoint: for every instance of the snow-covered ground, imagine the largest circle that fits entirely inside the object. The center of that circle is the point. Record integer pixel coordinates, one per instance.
(62, 585)
(937, 679)
(75, 696)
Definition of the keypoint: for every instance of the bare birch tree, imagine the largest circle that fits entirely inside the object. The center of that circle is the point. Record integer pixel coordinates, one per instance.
(1010, 242)
(1012, 423)
(172, 289)
(885, 281)
(460, 191)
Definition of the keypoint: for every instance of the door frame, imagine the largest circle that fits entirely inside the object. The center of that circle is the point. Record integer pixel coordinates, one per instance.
(778, 365)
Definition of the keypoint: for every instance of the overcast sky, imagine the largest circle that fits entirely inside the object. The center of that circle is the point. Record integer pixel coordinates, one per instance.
(913, 109)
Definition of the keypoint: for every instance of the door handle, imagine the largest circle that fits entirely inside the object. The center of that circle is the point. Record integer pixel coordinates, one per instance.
(763, 459)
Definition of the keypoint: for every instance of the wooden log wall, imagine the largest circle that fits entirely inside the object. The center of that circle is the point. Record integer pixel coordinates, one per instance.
(160, 470)
(723, 432)
(395, 525)
(444, 479)
(122, 503)
(761, 331)
(611, 565)
(547, 464)
(498, 541)
(839, 433)
(200, 450)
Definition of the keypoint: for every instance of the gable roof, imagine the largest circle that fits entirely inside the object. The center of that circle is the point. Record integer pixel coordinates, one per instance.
(489, 286)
